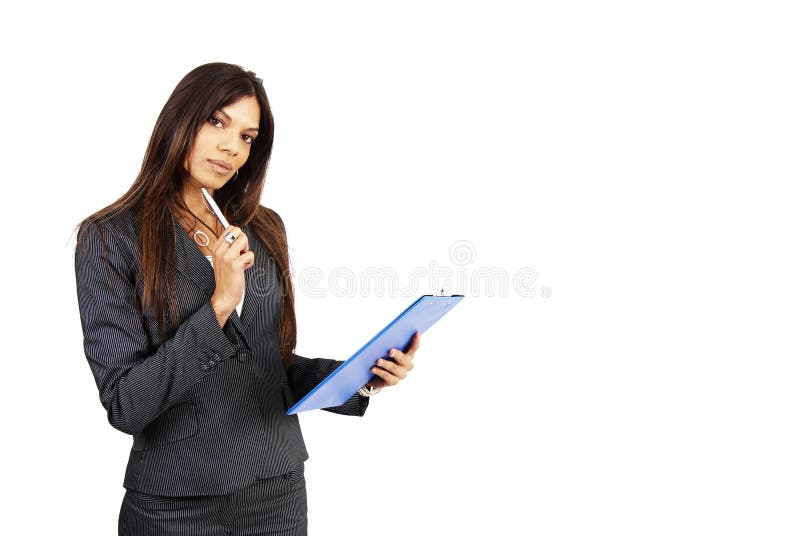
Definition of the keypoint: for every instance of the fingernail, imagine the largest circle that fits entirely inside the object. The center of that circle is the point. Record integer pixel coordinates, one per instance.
(380, 362)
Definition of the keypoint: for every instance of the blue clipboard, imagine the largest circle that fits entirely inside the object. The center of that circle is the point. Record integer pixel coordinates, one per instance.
(348, 377)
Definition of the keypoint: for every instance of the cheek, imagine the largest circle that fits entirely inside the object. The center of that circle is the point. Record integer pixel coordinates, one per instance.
(202, 141)
(245, 153)
(199, 149)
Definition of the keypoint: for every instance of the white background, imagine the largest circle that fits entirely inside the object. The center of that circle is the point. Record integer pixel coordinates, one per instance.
(641, 157)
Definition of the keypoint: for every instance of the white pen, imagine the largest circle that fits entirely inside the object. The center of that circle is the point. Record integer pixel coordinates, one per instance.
(215, 208)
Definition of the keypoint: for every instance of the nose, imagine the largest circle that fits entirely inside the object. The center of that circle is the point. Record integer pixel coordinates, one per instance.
(227, 142)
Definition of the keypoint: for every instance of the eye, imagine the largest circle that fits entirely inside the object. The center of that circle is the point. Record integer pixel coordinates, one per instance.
(214, 120)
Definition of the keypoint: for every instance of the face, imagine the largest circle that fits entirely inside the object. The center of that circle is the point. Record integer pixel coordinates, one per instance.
(225, 138)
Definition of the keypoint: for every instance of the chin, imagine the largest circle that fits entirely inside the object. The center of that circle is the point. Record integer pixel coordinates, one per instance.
(216, 182)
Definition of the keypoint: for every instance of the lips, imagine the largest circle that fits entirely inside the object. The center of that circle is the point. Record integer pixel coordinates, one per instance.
(220, 166)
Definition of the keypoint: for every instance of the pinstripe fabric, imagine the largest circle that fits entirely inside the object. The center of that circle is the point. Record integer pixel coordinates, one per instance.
(206, 406)
(273, 506)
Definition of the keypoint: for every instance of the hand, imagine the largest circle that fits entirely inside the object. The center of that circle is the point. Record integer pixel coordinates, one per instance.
(390, 371)
(230, 262)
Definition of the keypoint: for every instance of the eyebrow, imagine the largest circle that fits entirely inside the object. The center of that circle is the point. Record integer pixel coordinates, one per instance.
(229, 118)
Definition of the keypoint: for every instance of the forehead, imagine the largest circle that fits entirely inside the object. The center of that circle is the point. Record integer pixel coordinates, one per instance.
(245, 111)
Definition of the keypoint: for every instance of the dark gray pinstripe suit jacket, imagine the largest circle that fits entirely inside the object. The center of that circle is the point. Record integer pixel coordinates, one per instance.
(207, 405)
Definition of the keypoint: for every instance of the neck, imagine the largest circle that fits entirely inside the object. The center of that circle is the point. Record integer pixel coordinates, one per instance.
(193, 198)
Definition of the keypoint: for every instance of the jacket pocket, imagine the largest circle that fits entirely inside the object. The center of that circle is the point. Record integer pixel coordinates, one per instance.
(175, 424)
(145, 505)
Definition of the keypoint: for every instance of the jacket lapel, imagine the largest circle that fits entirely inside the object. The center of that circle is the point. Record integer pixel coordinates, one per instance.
(190, 261)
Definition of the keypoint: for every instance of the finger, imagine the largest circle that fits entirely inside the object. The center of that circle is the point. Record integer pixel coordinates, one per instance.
(220, 246)
(247, 260)
(223, 244)
(237, 248)
(395, 369)
(240, 243)
(414, 343)
(400, 358)
(385, 375)
(411, 348)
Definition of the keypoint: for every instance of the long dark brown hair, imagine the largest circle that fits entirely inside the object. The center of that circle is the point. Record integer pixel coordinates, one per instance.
(156, 194)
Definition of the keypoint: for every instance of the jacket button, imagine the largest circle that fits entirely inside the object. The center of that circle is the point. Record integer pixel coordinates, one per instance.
(204, 367)
(243, 355)
(217, 357)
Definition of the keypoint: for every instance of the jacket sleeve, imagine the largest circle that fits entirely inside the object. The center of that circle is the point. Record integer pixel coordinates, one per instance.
(304, 374)
(137, 382)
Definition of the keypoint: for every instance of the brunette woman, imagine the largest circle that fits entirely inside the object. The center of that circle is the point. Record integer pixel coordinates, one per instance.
(189, 327)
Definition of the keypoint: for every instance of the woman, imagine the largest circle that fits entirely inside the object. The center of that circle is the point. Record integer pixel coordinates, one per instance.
(189, 328)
